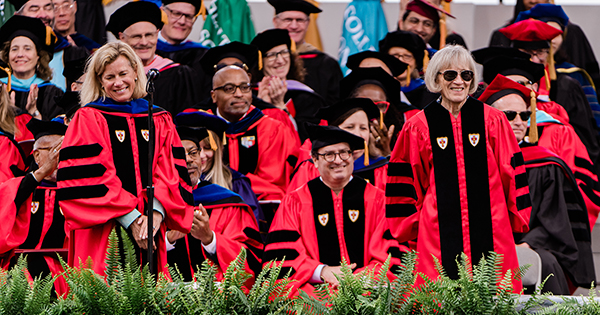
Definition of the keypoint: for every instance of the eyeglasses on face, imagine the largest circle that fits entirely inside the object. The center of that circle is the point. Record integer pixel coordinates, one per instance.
(288, 21)
(450, 75)
(177, 15)
(330, 156)
(273, 55)
(511, 115)
(230, 88)
(383, 106)
(65, 7)
(193, 153)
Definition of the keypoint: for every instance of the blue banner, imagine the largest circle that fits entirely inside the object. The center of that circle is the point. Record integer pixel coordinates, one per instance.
(364, 25)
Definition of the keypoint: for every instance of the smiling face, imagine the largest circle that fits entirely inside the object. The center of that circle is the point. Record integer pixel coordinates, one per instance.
(207, 156)
(420, 25)
(118, 80)
(41, 9)
(336, 172)
(192, 158)
(454, 92)
(23, 57)
(357, 124)
(277, 61)
(182, 16)
(231, 106)
(515, 103)
(142, 37)
(295, 22)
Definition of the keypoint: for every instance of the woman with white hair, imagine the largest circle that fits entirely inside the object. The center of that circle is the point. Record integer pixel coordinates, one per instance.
(103, 169)
(456, 180)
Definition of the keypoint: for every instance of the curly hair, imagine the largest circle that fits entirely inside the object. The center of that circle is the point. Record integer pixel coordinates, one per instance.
(297, 71)
(42, 69)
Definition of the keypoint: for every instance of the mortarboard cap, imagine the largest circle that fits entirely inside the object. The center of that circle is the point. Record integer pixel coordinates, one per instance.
(426, 9)
(396, 66)
(294, 5)
(203, 119)
(194, 134)
(486, 54)
(322, 136)
(376, 76)
(530, 34)
(545, 12)
(40, 128)
(74, 69)
(247, 54)
(33, 28)
(512, 66)
(407, 40)
(18, 4)
(268, 39)
(196, 3)
(134, 12)
(331, 113)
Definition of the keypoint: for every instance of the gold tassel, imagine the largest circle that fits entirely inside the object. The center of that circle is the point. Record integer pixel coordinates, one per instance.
(533, 132)
(9, 72)
(425, 61)
(224, 138)
(366, 154)
(260, 61)
(408, 75)
(49, 33)
(202, 10)
(163, 17)
(106, 2)
(292, 46)
(547, 77)
(551, 67)
(380, 120)
(443, 31)
(211, 140)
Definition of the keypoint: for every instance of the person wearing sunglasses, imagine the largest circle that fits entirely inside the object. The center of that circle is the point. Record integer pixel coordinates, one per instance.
(559, 213)
(452, 178)
(334, 216)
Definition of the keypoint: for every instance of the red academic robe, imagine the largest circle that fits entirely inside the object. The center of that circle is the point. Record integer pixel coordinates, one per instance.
(103, 172)
(235, 228)
(564, 142)
(474, 167)
(262, 148)
(12, 162)
(313, 226)
(31, 219)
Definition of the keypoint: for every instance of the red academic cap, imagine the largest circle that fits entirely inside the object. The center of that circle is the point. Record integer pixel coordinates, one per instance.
(426, 9)
(530, 34)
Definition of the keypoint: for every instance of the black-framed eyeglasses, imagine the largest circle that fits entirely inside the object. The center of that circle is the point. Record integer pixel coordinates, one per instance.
(524, 83)
(450, 75)
(330, 156)
(511, 115)
(177, 15)
(193, 153)
(230, 88)
(273, 56)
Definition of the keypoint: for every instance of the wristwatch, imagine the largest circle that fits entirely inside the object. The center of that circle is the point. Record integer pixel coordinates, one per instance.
(36, 113)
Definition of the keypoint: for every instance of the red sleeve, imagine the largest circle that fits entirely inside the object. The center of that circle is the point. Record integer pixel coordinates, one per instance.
(11, 161)
(283, 118)
(235, 228)
(23, 134)
(286, 239)
(408, 168)
(512, 171)
(14, 218)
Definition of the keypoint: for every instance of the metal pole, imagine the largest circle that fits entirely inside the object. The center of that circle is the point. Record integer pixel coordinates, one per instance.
(152, 74)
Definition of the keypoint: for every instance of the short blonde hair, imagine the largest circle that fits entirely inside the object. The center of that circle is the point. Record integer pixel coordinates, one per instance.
(449, 56)
(219, 173)
(105, 55)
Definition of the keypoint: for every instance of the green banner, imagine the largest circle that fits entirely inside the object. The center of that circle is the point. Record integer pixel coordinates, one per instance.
(227, 21)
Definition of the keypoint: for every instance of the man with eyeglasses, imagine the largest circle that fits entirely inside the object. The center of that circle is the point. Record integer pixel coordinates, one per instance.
(31, 217)
(64, 24)
(422, 18)
(173, 43)
(223, 224)
(323, 73)
(559, 230)
(258, 146)
(138, 24)
(64, 50)
(332, 217)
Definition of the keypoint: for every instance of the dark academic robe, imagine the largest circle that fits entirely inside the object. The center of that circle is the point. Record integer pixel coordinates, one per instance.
(32, 220)
(90, 20)
(323, 74)
(303, 104)
(375, 173)
(314, 226)
(458, 185)
(175, 88)
(12, 163)
(46, 103)
(102, 176)
(240, 184)
(562, 140)
(558, 229)
(84, 41)
(235, 228)
(63, 53)
(189, 53)
(418, 95)
(258, 147)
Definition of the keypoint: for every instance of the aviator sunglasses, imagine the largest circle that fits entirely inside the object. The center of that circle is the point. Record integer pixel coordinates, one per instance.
(450, 75)
(511, 115)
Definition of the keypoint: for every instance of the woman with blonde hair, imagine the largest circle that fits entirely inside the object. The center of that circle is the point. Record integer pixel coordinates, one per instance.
(102, 176)
(27, 49)
(456, 180)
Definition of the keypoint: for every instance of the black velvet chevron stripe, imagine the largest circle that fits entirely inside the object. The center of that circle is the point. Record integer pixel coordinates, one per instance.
(523, 202)
(252, 234)
(282, 236)
(187, 196)
(327, 235)
(178, 153)
(80, 152)
(400, 169)
(80, 172)
(583, 163)
(447, 189)
(284, 271)
(279, 254)
(183, 173)
(399, 210)
(353, 199)
(521, 181)
(82, 192)
(400, 190)
(517, 160)
(387, 235)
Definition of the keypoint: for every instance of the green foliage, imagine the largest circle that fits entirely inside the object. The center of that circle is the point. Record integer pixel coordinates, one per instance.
(585, 305)
(19, 296)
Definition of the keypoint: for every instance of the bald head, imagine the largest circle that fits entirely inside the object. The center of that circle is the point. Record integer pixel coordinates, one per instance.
(232, 103)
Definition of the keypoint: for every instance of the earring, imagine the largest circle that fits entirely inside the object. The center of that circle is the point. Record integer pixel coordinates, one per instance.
(135, 80)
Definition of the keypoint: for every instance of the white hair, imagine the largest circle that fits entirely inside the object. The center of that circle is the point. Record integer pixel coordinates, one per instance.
(449, 56)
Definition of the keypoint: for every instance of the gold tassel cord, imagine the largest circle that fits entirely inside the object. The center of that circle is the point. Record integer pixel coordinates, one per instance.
(292, 46)
(443, 31)
(551, 67)
(9, 72)
(380, 120)
(425, 61)
(533, 131)
(260, 61)
(202, 10)
(547, 78)
(366, 154)
(211, 140)
(224, 138)
(408, 75)
(163, 17)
